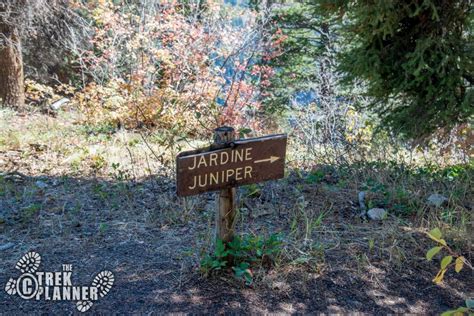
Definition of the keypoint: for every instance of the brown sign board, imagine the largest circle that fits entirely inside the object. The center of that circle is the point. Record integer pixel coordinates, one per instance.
(240, 162)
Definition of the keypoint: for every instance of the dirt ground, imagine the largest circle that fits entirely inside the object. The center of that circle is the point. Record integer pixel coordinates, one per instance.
(156, 265)
(153, 241)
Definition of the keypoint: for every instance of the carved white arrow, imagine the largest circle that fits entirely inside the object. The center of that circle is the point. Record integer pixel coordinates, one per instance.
(271, 159)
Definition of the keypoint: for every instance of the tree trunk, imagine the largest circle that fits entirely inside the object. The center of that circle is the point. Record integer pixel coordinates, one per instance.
(12, 87)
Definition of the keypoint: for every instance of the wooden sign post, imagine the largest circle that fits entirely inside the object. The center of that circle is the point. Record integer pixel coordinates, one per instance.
(227, 164)
(225, 218)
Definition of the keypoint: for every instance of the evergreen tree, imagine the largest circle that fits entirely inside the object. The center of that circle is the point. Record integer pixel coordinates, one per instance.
(416, 58)
(296, 66)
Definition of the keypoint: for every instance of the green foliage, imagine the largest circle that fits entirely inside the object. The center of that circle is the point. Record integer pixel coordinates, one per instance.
(242, 271)
(315, 176)
(252, 190)
(374, 186)
(447, 261)
(449, 173)
(394, 186)
(416, 58)
(244, 253)
(460, 311)
(432, 252)
(217, 260)
(99, 129)
(102, 228)
(322, 174)
(381, 195)
(302, 44)
(30, 211)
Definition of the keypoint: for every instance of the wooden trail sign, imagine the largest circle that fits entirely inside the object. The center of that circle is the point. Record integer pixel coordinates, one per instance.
(226, 164)
(231, 164)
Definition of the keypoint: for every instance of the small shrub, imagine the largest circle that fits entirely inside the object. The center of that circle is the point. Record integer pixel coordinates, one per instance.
(447, 261)
(452, 259)
(242, 255)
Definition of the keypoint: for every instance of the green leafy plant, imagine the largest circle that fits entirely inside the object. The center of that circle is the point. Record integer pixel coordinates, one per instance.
(242, 255)
(452, 259)
(323, 174)
(242, 271)
(374, 186)
(460, 311)
(217, 260)
(379, 196)
(315, 177)
(252, 190)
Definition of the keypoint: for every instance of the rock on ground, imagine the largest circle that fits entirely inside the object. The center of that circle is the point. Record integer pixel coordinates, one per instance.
(377, 214)
(437, 200)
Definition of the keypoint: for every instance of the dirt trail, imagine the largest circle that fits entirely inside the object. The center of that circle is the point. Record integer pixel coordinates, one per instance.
(155, 266)
(62, 205)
